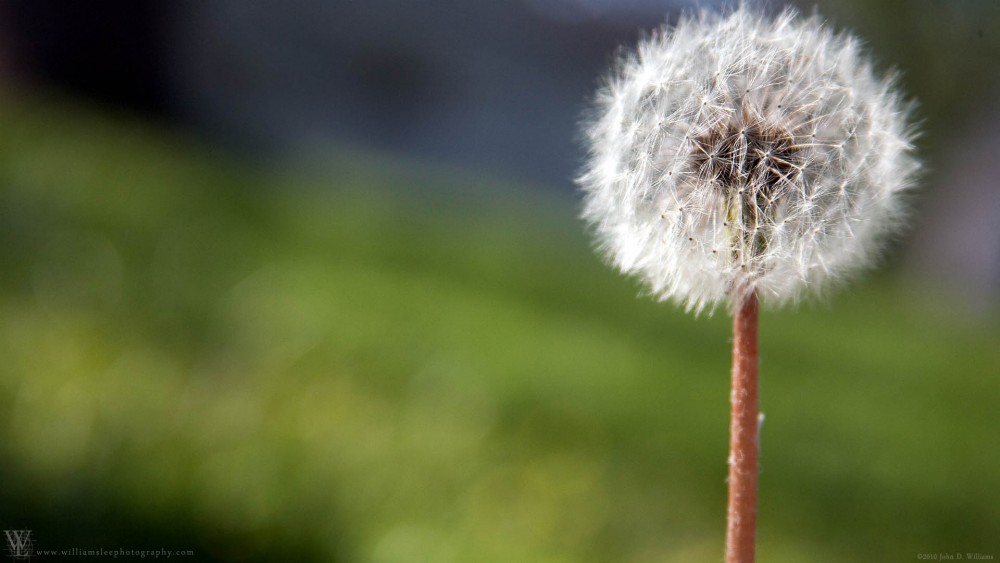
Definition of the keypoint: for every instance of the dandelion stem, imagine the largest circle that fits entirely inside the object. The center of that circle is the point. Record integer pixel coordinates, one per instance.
(741, 524)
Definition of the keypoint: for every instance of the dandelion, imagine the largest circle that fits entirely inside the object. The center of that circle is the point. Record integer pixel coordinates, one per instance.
(736, 158)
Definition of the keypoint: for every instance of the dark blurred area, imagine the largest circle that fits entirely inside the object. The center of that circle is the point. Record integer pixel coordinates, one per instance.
(495, 86)
(115, 52)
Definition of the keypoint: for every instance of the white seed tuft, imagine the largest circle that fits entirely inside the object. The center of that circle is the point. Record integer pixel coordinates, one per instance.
(737, 154)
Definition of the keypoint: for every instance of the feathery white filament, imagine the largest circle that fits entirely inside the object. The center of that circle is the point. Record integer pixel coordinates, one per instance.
(733, 154)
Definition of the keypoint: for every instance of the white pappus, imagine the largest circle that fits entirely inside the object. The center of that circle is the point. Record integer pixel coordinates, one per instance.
(737, 154)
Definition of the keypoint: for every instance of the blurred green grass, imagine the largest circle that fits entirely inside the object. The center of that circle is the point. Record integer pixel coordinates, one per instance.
(375, 364)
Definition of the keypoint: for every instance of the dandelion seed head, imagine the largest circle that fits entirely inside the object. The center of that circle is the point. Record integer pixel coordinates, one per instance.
(737, 154)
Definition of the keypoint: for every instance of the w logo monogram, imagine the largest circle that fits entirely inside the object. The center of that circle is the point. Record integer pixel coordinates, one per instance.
(19, 543)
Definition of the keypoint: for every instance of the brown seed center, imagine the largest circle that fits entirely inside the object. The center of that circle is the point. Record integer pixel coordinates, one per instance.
(739, 157)
(753, 164)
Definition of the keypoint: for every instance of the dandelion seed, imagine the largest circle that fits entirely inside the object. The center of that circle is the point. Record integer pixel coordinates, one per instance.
(763, 119)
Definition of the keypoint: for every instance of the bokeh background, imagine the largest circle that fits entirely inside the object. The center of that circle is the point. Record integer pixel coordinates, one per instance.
(304, 281)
